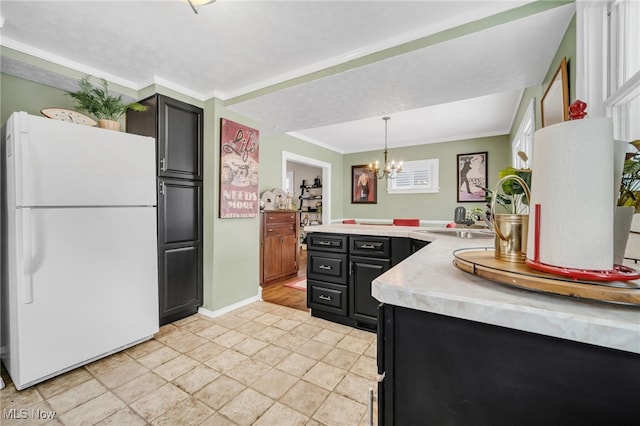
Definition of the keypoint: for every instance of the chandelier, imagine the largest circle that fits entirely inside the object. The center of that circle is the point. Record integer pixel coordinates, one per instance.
(390, 170)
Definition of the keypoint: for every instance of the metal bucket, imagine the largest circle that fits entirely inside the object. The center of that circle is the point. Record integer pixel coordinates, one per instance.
(511, 229)
(511, 236)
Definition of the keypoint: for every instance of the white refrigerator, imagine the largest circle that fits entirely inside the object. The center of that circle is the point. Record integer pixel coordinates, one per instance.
(79, 263)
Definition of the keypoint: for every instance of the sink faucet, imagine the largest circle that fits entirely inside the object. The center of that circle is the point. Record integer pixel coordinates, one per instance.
(460, 217)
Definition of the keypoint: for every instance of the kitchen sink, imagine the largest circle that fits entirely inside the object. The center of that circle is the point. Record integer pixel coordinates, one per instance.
(463, 233)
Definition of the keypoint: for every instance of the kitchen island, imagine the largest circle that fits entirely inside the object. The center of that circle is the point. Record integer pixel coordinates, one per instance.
(458, 349)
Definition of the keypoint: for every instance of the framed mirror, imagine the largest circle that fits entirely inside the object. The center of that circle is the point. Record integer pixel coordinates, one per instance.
(555, 102)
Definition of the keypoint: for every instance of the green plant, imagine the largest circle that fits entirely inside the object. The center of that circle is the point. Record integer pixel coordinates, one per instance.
(630, 184)
(512, 198)
(97, 101)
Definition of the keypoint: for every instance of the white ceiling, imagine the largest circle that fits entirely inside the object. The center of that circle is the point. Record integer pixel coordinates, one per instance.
(436, 89)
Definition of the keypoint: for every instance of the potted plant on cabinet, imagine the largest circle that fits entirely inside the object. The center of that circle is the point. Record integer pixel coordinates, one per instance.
(628, 202)
(97, 101)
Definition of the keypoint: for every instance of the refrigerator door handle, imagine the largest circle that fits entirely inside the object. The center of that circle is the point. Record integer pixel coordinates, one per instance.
(27, 257)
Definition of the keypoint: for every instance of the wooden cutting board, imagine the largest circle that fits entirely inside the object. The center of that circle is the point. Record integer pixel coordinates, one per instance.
(484, 264)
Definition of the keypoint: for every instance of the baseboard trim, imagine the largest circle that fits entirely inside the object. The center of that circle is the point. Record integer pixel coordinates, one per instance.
(230, 308)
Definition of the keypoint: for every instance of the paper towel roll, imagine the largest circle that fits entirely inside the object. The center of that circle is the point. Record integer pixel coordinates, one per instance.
(572, 181)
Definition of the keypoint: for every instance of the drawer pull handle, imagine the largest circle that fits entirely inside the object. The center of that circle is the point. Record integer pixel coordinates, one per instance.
(325, 267)
(323, 297)
(368, 246)
(324, 243)
(269, 230)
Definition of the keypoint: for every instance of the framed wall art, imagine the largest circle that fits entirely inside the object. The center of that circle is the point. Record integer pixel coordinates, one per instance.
(472, 177)
(239, 163)
(364, 186)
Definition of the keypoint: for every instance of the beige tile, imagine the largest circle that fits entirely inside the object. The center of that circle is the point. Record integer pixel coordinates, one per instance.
(76, 396)
(312, 422)
(190, 411)
(305, 397)
(271, 354)
(231, 321)
(230, 338)
(325, 375)
(195, 379)
(328, 337)
(126, 416)
(12, 398)
(139, 387)
(107, 364)
(306, 330)
(248, 371)
(281, 415)
(176, 367)
(248, 313)
(290, 341)
(247, 407)
(264, 306)
(372, 350)
(297, 315)
(62, 383)
(267, 319)
(212, 331)
(187, 342)
(356, 387)
(165, 330)
(339, 411)
(250, 328)
(286, 324)
(206, 351)
(296, 364)
(313, 349)
(340, 358)
(366, 367)
(185, 321)
(122, 374)
(171, 334)
(93, 411)
(353, 344)
(219, 392)
(250, 346)
(156, 358)
(143, 349)
(363, 334)
(274, 383)
(197, 325)
(269, 334)
(157, 402)
(339, 328)
(218, 420)
(39, 413)
(226, 360)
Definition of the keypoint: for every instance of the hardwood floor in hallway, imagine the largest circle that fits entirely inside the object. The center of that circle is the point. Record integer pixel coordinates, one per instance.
(278, 294)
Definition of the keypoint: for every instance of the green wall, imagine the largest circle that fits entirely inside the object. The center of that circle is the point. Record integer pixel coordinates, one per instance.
(437, 206)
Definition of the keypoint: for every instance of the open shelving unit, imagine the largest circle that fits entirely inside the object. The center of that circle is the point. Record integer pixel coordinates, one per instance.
(309, 208)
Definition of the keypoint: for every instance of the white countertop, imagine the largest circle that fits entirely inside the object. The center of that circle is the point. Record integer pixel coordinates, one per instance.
(428, 281)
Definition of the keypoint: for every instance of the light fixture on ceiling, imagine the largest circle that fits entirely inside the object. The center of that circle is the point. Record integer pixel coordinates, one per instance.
(390, 170)
(195, 4)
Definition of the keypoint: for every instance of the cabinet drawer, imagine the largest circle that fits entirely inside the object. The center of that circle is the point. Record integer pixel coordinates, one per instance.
(280, 217)
(327, 297)
(327, 242)
(364, 245)
(279, 229)
(327, 267)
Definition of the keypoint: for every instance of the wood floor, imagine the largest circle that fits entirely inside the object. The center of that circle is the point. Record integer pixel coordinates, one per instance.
(277, 293)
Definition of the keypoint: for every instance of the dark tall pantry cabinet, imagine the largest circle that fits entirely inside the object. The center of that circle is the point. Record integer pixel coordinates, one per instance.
(177, 127)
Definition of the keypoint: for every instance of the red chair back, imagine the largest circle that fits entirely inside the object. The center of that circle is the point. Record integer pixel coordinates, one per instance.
(349, 221)
(406, 222)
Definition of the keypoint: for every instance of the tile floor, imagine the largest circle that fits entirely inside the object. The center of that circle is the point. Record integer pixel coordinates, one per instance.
(262, 364)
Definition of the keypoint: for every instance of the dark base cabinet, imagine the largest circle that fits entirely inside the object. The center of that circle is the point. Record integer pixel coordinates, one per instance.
(440, 370)
(340, 269)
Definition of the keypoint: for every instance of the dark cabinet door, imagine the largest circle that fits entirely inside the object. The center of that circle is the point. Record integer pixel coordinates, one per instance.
(363, 306)
(179, 248)
(179, 139)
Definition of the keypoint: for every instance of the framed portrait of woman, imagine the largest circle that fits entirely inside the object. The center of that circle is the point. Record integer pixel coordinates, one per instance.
(364, 186)
(472, 177)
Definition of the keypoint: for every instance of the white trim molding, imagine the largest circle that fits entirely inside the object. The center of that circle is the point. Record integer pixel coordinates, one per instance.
(326, 179)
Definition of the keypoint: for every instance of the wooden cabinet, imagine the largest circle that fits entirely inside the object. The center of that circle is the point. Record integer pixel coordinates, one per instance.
(442, 370)
(177, 128)
(278, 245)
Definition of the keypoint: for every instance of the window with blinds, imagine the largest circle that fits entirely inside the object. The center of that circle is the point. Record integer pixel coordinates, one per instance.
(419, 176)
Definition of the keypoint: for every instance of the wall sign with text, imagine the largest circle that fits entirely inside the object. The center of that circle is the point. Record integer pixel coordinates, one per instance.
(239, 163)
